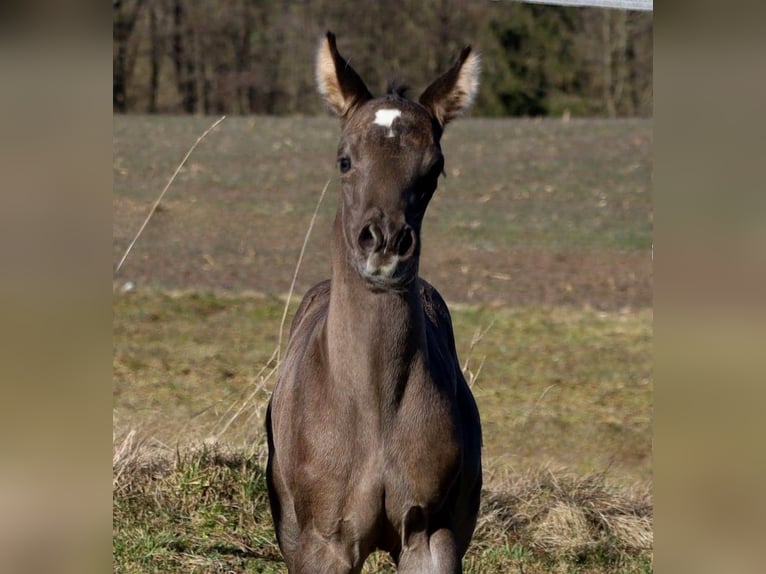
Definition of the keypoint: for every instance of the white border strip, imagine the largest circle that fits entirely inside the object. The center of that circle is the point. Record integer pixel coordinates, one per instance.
(645, 5)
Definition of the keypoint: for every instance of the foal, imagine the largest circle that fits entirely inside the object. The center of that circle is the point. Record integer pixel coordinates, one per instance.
(374, 436)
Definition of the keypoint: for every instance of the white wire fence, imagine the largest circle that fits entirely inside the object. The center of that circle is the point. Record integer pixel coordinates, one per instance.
(643, 5)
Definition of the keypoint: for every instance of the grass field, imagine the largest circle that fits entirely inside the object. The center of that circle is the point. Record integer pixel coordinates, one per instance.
(529, 213)
(540, 236)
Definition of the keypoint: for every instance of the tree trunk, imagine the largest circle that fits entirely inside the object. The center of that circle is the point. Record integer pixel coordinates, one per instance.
(620, 64)
(124, 21)
(183, 64)
(242, 49)
(119, 79)
(606, 39)
(156, 58)
(197, 72)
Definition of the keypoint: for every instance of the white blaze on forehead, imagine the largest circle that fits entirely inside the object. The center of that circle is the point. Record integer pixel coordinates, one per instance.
(385, 118)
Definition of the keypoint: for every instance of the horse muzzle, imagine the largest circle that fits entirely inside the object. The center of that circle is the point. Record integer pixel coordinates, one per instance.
(387, 254)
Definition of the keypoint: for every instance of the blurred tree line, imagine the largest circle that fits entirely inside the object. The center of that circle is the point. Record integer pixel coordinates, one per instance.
(257, 56)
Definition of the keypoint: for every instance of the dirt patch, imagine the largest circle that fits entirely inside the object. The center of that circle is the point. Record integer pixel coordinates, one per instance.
(601, 279)
(530, 213)
(604, 280)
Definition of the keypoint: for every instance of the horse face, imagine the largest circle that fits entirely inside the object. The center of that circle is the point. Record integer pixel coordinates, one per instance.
(389, 161)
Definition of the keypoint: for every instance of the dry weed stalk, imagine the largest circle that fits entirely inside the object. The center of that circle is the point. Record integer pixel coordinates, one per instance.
(136, 450)
(524, 419)
(470, 375)
(128, 450)
(297, 268)
(167, 186)
(275, 358)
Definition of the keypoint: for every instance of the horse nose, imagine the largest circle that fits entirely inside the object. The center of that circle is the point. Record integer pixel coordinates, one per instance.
(405, 242)
(400, 241)
(371, 238)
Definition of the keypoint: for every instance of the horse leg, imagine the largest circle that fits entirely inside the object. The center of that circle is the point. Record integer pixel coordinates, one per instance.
(434, 554)
(315, 554)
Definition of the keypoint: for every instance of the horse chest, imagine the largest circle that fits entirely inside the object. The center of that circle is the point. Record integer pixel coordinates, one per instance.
(378, 463)
(423, 457)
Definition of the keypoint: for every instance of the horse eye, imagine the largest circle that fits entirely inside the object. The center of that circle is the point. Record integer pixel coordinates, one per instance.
(344, 164)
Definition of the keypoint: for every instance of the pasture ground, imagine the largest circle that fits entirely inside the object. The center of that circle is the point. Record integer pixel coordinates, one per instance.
(529, 213)
(541, 233)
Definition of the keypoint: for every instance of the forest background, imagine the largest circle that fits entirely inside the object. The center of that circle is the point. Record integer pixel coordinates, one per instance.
(256, 56)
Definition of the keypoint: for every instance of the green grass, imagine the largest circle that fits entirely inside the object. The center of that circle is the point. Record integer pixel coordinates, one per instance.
(206, 510)
(548, 184)
(201, 511)
(562, 386)
(545, 184)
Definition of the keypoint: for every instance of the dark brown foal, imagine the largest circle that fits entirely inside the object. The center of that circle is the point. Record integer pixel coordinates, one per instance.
(374, 436)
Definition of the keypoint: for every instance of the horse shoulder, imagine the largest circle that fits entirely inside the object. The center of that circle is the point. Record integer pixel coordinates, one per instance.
(315, 300)
(438, 315)
(303, 347)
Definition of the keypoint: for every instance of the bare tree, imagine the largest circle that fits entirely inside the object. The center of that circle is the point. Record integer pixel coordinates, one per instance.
(124, 17)
(183, 64)
(156, 50)
(255, 56)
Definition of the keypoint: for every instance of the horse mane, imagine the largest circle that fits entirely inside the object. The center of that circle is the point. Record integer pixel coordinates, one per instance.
(398, 89)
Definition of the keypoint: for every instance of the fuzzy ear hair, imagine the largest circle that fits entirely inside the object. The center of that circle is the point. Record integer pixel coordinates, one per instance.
(339, 84)
(454, 90)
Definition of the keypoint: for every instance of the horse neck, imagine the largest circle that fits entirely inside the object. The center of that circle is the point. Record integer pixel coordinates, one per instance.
(375, 337)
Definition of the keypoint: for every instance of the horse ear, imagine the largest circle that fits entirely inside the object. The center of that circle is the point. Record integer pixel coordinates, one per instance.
(454, 90)
(339, 84)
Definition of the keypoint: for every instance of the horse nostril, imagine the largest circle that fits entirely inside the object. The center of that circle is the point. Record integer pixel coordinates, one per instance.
(406, 242)
(369, 238)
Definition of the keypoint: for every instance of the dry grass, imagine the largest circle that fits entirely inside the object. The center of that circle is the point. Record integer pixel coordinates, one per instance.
(205, 508)
(565, 516)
